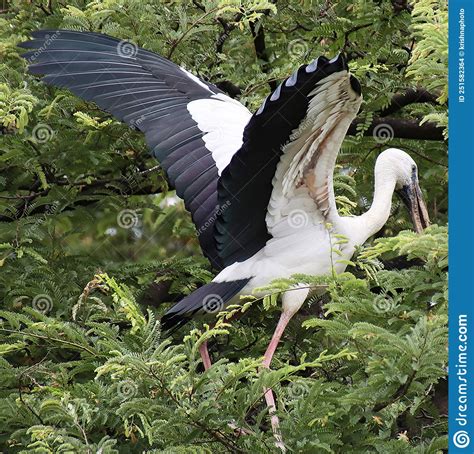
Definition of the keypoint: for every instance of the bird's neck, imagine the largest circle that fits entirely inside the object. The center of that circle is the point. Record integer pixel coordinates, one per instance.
(377, 215)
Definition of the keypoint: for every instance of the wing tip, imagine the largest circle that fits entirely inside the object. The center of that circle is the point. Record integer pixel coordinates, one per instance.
(339, 63)
(319, 68)
(46, 37)
(319, 63)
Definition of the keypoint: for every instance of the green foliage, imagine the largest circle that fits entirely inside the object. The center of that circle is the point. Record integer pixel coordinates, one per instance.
(15, 105)
(93, 245)
(107, 379)
(429, 60)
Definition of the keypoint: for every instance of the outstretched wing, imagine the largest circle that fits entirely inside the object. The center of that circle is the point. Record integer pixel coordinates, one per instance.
(191, 126)
(287, 158)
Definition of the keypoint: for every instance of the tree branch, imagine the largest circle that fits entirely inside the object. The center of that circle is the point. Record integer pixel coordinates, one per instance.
(258, 35)
(176, 42)
(230, 88)
(402, 129)
(131, 186)
(227, 26)
(227, 29)
(401, 5)
(411, 96)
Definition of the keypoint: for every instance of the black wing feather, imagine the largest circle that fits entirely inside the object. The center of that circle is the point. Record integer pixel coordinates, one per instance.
(246, 182)
(145, 91)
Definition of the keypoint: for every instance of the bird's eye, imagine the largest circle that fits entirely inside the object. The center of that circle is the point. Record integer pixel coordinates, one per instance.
(413, 168)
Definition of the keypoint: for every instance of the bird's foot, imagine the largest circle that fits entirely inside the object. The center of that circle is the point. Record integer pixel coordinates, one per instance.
(275, 421)
(280, 445)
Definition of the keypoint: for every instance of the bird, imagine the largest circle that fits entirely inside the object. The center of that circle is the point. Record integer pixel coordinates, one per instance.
(259, 186)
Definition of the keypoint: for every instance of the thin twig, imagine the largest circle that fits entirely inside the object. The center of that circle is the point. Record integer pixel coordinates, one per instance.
(62, 341)
(197, 22)
(21, 394)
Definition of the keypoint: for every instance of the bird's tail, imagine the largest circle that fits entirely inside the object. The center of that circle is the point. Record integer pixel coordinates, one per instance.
(210, 298)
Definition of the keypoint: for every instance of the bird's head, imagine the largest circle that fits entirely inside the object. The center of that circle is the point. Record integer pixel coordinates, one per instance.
(407, 187)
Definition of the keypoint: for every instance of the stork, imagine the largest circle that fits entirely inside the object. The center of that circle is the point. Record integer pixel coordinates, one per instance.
(259, 187)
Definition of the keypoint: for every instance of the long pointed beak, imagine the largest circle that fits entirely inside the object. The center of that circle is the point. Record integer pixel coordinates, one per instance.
(413, 199)
(419, 212)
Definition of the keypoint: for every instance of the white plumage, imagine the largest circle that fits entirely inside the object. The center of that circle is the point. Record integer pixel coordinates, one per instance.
(223, 120)
(259, 187)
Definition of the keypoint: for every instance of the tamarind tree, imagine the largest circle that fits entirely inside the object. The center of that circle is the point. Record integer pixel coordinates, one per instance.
(94, 246)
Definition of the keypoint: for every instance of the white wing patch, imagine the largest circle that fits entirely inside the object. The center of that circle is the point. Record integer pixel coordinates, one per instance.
(223, 119)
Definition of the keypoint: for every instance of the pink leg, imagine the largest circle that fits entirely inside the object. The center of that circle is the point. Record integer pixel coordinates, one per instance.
(285, 317)
(206, 359)
(267, 359)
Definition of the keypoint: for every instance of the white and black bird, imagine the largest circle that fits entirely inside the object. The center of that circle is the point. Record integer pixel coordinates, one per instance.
(259, 187)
